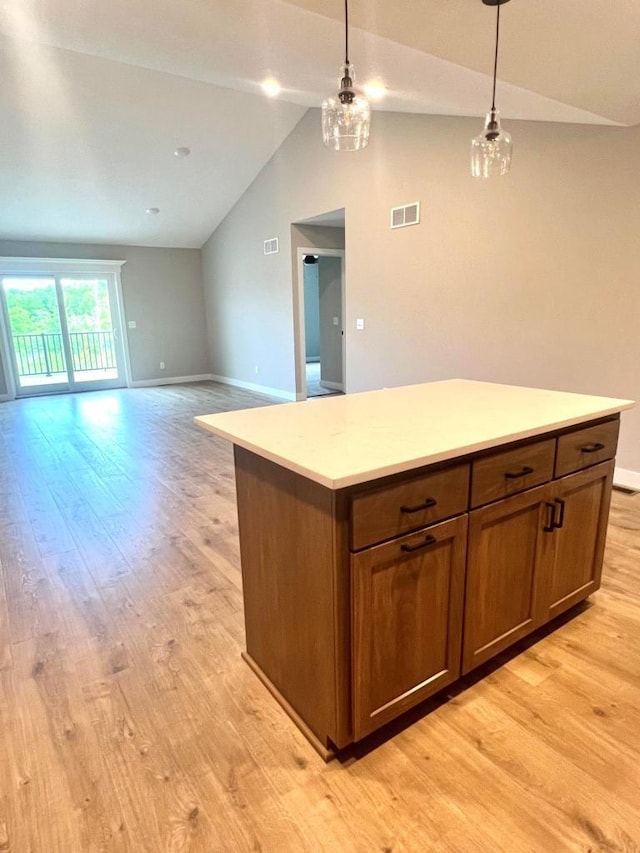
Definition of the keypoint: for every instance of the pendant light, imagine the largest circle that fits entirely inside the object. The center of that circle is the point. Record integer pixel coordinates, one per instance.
(346, 117)
(491, 150)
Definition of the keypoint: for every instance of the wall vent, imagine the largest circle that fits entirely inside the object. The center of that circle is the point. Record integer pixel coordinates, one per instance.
(271, 246)
(408, 214)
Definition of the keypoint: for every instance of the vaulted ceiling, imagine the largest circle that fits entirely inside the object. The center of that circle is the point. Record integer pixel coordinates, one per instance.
(96, 96)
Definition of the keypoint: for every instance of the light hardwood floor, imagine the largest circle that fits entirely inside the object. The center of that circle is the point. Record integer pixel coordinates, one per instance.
(129, 722)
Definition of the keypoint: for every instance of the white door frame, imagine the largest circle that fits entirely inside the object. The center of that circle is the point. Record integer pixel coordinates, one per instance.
(301, 372)
(57, 267)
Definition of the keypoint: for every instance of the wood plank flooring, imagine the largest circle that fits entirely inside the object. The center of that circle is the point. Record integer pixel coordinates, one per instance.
(129, 722)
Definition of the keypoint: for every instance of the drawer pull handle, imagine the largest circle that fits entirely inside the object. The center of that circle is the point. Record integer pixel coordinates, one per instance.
(515, 475)
(550, 525)
(429, 540)
(426, 505)
(559, 523)
(592, 448)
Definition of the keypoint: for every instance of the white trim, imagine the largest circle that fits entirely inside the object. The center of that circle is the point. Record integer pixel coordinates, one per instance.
(9, 265)
(301, 360)
(334, 386)
(122, 326)
(627, 479)
(251, 386)
(5, 398)
(169, 380)
(5, 352)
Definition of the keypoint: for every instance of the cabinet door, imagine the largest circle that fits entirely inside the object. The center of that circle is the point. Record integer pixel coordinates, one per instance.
(582, 502)
(407, 621)
(507, 546)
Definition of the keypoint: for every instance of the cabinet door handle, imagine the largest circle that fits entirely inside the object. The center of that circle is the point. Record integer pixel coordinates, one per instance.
(426, 505)
(514, 475)
(429, 540)
(551, 513)
(559, 524)
(592, 448)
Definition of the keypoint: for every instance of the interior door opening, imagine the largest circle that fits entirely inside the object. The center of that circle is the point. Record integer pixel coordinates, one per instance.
(321, 274)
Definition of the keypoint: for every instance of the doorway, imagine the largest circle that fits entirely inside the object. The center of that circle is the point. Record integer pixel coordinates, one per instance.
(321, 281)
(62, 332)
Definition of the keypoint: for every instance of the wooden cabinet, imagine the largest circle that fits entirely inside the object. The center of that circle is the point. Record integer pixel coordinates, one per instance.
(531, 557)
(363, 601)
(583, 448)
(499, 475)
(507, 546)
(574, 567)
(407, 618)
(410, 504)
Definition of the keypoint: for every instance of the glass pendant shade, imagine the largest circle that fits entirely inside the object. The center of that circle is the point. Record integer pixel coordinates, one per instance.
(491, 150)
(346, 117)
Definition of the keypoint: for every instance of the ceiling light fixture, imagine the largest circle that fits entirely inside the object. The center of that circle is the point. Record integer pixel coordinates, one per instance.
(491, 150)
(346, 118)
(271, 87)
(182, 152)
(375, 90)
(153, 211)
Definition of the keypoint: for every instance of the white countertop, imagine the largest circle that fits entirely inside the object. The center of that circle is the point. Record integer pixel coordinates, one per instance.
(344, 440)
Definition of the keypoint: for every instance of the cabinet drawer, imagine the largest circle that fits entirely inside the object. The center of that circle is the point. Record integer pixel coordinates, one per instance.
(587, 446)
(510, 471)
(408, 505)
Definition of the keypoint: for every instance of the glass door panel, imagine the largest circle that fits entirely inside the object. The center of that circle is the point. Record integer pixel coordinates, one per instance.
(92, 337)
(35, 334)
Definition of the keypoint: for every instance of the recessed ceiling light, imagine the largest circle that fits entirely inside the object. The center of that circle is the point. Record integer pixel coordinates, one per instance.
(271, 87)
(182, 152)
(153, 211)
(375, 90)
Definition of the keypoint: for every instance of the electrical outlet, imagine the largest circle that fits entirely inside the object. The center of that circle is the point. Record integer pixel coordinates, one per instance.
(132, 324)
(162, 365)
(359, 325)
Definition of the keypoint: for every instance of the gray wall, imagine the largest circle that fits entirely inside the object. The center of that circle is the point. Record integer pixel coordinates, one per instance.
(529, 280)
(162, 292)
(330, 297)
(311, 313)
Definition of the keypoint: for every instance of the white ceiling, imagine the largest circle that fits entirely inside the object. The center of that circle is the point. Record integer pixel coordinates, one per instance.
(96, 96)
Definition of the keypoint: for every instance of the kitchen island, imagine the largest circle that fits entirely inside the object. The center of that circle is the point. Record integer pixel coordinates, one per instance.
(392, 541)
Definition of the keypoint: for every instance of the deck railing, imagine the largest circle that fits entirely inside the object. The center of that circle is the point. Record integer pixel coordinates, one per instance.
(43, 354)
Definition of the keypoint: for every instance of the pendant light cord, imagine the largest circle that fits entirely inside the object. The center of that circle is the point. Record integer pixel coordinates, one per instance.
(346, 33)
(495, 62)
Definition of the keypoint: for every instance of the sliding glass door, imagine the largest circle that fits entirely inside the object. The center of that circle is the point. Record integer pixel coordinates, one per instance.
(92, 334)
(35, 334)
(63, 332)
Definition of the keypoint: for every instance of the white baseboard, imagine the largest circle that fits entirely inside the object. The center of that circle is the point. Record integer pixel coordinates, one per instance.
(627, 479)
(252, 386)
(169, 380)
(333, 386)
(4, 398)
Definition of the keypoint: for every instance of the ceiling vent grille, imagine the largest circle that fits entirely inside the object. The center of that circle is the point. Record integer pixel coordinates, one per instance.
(408, 214)
(271, 246)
